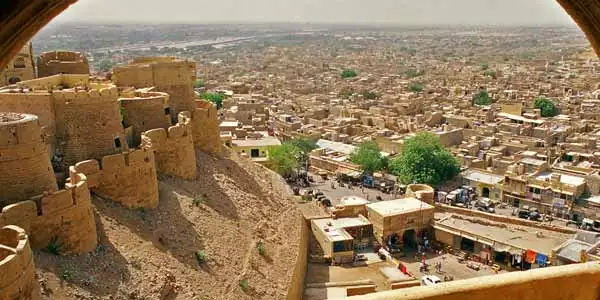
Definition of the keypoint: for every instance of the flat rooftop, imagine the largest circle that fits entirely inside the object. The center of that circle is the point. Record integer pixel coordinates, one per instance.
(264, 141)
(398, 206)
(354, 200)
(332, 230)
(484, 177)
(498, 234)
(564, 178)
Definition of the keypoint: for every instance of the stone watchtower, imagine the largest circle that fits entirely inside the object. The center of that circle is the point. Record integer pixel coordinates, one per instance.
(20, 68)
(25, 169)
(62, 62)
(88, 124)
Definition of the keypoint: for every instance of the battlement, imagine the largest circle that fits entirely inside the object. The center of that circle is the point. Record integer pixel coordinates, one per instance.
(17, 269)
(144, 110)
(205, 126)
(65, 215)
(174, 148)
(54, 81)
(83, 96)
(62, 62)
(127, 178)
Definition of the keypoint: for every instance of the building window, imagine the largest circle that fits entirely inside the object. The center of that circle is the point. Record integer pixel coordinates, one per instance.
(167, 111)
(254, 153)
(19, 63)
(14, 80)
(117, 142)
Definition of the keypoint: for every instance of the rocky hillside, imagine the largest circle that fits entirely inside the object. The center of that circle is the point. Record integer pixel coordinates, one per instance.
(202, 242)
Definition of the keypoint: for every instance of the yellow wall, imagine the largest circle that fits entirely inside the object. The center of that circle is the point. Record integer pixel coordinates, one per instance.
(573, 282)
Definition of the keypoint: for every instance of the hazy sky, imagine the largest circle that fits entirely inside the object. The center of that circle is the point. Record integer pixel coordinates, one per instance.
(417, 12)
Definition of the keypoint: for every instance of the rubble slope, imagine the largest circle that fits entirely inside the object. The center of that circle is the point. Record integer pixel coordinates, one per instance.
(150, 254)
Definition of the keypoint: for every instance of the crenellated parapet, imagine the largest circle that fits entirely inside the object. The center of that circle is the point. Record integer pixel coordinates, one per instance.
(128, 178)
(17, 268)
(173, 148)
(205, 125)
(25, 168)
(64, 217)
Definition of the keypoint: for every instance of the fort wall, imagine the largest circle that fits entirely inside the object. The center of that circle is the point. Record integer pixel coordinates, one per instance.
(25, 168)
(205, 125)
(38, 103)
(17, 269)
(62, 62)
(144, 111)
(88, 124)
(20, 68)
(127, 178)
(167, 74)
(296, 289)
(173, 148)
(574, 282)
(64, 217)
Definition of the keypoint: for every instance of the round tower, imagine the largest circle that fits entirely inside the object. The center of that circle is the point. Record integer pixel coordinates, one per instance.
(88, 124)
(16, 265)
(144, 111)
(25, 169)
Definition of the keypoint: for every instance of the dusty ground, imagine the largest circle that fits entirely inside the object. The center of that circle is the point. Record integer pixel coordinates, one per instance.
(150, 254)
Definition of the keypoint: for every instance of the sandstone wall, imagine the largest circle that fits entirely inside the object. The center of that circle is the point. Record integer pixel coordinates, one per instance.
(127, 178)
(145, 111)
(20, 68)
(296, 289)
(167, 74)
(88, 124)
(573, 282)
(17, 269)
(37, 103)
(65, 217)
(173, 148)
(62, 62)
(205, 124)
(25, 168)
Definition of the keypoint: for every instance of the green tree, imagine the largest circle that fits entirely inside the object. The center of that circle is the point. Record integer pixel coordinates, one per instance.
(370, 95)
(215, 98)
(546, 106)
(283, 159)
(199, 83)
(484, 67)
(368, 156)
(304, 145)
(490, 73)
(349, 74)
(416, 87)
(482, 98)
(424, 160)
(105, 65)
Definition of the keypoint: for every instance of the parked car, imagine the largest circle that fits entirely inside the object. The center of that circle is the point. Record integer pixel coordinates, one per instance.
(590, 225)
(430, 280)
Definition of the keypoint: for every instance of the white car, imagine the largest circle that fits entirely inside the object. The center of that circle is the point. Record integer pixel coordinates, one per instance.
(430, 280)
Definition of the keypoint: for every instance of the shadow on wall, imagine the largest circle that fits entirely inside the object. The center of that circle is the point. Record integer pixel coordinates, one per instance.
(101, 272)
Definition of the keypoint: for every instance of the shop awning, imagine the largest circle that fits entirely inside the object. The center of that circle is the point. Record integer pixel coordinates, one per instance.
(499, 247)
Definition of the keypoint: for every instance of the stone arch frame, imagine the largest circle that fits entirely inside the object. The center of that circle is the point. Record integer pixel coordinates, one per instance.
(20, 20)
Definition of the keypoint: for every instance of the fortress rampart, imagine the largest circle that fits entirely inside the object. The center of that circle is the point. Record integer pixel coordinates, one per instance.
(62, 62)
(205, 125)
(145, 111)
(167, 74)
(173, 148)
(88, 123)
(17, 269)
(25, 168)
(64, 217)
(127, 178)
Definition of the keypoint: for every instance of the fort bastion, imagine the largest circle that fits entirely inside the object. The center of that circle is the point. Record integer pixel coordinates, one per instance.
(24, 156)
(144, 110)
(167, 74)
(62, 62)
(18, 279)
(20, 68)
(173, 148)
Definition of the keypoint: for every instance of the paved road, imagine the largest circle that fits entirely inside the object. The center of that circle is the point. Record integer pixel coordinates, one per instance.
(335, 194)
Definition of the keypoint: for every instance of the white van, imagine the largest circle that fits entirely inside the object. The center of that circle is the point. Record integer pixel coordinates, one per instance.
(430, 280)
